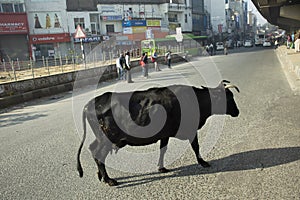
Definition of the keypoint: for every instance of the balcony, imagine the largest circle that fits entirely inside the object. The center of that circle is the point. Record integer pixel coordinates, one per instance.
(173, 20)
(177, 7)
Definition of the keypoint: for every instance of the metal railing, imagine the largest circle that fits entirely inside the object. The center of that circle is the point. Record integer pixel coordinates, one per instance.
(15, 70)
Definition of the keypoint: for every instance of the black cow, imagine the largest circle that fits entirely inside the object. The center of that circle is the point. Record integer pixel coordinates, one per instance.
(118, 119)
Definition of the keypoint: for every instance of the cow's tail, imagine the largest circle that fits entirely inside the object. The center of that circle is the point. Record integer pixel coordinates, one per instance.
(79, 167)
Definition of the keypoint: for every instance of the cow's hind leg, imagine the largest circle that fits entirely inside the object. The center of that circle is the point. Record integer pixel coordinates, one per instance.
(163, 149)
(93, 148)
(100, 150)
(195, 146)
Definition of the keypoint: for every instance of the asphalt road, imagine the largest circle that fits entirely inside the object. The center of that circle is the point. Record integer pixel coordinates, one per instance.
(253, 156)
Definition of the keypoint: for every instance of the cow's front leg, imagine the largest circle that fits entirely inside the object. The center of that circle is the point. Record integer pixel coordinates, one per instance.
(195, 146)
(163, 149)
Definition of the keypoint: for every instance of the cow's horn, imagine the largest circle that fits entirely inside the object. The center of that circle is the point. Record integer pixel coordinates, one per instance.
(232, 86)
(225, 81)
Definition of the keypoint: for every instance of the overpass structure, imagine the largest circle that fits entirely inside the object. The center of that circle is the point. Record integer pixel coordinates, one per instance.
(282, 13)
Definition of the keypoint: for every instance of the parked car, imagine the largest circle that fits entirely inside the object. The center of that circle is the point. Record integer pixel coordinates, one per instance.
(220, 46)
(248, 43)
(267, 43)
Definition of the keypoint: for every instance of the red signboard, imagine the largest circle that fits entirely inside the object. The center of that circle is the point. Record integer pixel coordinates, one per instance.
(15, 23)
(49, 38)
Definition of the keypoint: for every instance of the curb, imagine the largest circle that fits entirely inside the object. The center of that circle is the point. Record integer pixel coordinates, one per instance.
(291, 71)
(35, 94)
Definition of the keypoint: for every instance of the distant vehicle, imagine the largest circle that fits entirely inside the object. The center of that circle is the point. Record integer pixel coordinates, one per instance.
(259, 39)
(248, 43)
(267, 43)
(220, 46)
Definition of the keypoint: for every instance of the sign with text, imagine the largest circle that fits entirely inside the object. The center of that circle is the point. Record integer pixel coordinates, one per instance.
(153, 23)
(127, 30)
(88, 39)
(49, 38)
(139, 29)
(131, 23)
(112, 18)
(13, 23)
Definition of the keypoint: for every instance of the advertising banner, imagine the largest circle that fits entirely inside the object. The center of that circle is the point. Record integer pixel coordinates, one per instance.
(88, 39)
(153, 22)
(47, 20)
(131, 23)
(49, 38)
(13, 23)
(127, 30)
(112, 18)
(139, 29)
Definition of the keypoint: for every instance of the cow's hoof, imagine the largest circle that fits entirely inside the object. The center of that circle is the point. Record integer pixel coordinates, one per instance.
(111, 182)
(163, 170)
(204, 164)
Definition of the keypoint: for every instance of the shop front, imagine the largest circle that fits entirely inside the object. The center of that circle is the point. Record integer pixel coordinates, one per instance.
(14, 36)
(50, 45)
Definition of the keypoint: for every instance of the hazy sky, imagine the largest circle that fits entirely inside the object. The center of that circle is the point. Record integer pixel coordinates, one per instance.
(260, 19)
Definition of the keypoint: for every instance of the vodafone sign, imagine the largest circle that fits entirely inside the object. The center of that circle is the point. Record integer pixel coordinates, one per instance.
(50, 38)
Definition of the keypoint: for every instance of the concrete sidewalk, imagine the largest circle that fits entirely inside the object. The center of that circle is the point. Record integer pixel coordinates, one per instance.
(290, 62)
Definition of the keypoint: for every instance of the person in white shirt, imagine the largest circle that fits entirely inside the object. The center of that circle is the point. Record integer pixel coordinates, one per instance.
(154, 60)
(119, 64)
(168, 58)
(297, 44)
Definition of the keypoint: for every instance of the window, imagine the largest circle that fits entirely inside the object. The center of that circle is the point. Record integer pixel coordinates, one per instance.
(95, 28)
(79, 21)
(110, 28)
(19, 7)
(185, 18)
(7, 7)
(12, 7)
(172, 17)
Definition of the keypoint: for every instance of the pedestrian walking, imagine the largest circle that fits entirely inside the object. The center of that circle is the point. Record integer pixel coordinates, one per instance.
(276, 44)
(154, 60)
(211, 49)
(120, 65)
(297, 44)
(225, 48)
(289, 40)
(144, 64)
(168, 59)
(128, 67)
(293, 41)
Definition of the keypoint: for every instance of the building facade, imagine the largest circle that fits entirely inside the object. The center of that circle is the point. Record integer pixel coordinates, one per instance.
(40, 29)
(14, 31)
(236, 18)
(199, 18)
(49, 32)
